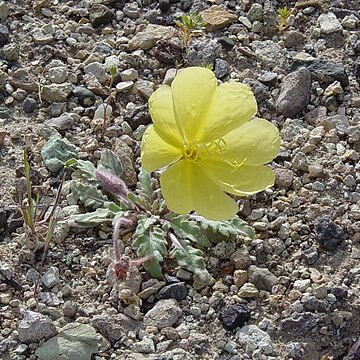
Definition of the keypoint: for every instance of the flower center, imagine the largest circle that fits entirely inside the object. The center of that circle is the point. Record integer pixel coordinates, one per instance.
(196, 152)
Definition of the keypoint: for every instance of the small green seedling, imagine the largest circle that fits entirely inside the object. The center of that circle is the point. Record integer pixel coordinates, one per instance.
(283, 17)
(191, 25)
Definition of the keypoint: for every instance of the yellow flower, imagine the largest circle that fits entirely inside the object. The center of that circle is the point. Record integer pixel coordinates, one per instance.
(203, 132)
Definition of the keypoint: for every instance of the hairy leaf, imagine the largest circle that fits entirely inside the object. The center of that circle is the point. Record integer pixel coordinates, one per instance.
(144, 185)
(150, 242)
(86, 168)
(187, 256)
(231, 227)
(185, 228)
(98, 216)
(87, 194)
(110, 161)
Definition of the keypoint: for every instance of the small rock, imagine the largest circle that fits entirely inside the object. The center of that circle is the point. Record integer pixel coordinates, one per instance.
(70, 308)
(10, 52)
(145, 346)
(97, 69)
(202, 52)
(147, 38)
(4, 35)
(56, 92)
(114, 327)
(164, 5)
(85, 96)
(294, 39)
(100, 15)
(254, 338)
(4, 11)
(300, 324)
(301, 285)
(124, 85)
(248, 291)
(328, 234)
(269, 53)
(41, 38)
(129, 75)
(240, 277)
(125, 154)
(262, 278)
(295, 350)
(58, 75)
(241, 259)
(222, 68)
(56, 151)
(165, 313)
(144, 88)
(35, 327)
(51, 277)
(201, 279)
(295, 86)
(217, 18)
(350, 22)
(233, 316)
(177, 291)
(131, 10)
(74, 341)
(255, 13)
(63, 122)
(329, 23)
(283, 178)
(354, 352)
(24, 79)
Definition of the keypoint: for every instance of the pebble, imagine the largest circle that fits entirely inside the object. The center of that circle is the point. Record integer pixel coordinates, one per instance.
(177, 291)
(56, 92)
(300, 324)
(216, 17)
(329, 23)
(328, 234)
(165, 313)
(4, 35)
(100, 15)
(296, 85)
(248, 291)
(35, 327)
(144, 88)
(4, 10)
(262, 278)
(233, 316)
(51, 277)
(63, 122)
(301, 285)
(58, 74)
(98, 70)
(255, 13)
(252, 338)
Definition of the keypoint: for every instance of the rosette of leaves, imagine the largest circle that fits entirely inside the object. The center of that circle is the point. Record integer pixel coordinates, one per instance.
(157, 233)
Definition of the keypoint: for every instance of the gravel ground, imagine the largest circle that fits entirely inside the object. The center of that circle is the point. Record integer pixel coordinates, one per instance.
(293, 291)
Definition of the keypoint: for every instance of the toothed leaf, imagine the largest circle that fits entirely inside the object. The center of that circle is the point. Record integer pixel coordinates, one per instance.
(87, 194)
(111, 162)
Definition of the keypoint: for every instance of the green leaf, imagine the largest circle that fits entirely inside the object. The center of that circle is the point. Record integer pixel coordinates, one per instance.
(185, 228)
(86, 168)
(98, 216)
(187, 256)
(227, 228)
(145, 183)
(110, 161)
(87, 194)
(150, 242)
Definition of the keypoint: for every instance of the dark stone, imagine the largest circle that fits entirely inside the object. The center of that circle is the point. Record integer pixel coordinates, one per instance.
(294, 39)
(328, 234)
(357, 69)
(4, 35)
(339, 292)
(324, 71)
(295, 350)
(102, 48)
(29, 105)
(177, 291)
(164, 5)
(86, 97)
(201, 52)
(357, 47)
(311, 303)
(138, 116)
(15, 220)
(354, 352)
(296, 85)
(101, 15)
(311, 256)
(268, 78)
(168, 52)
(3, 218)
(260, 90)
(154, 16)
(233, 316)
(342, 12)
(222, 68)
(227, 42)
(299, 325)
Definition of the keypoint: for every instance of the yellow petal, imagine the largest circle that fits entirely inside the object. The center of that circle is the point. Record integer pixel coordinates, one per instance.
(185, 187)
(155, 152)
(255, 142)
(193, 90)
(245, 180)
(162, 114)
(233, 105)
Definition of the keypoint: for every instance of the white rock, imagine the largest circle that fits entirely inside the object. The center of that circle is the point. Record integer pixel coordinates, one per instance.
(301, 285)
(329, 23)
(124, 85)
